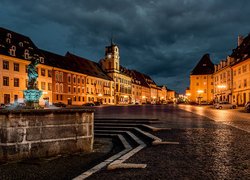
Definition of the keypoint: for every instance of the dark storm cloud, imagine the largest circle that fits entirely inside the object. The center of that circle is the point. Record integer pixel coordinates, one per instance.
(163, 38)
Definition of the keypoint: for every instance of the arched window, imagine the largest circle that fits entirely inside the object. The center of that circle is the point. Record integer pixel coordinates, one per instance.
(13, 51)
(61, 77)
(61, 88)
(57, 76)
(57, 87)
(9, 35)
(20, 44)
(26, 54)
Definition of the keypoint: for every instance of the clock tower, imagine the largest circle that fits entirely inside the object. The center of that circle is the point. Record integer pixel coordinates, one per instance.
(111, 62)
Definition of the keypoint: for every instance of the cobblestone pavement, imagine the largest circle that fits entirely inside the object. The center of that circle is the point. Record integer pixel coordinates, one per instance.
(208, 149)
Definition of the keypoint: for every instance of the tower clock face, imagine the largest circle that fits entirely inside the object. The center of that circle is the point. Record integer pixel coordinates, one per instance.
(109, 56)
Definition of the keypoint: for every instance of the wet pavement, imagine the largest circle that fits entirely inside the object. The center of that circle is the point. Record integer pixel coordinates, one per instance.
(210, 148)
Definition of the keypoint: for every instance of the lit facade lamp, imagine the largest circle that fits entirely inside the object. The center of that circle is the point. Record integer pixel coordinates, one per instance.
(221, 87)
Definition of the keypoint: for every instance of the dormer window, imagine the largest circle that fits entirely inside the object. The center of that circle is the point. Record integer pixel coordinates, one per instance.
(13, 51)
(8, 40)
(9, 35)
(20, 44)
(26, 54)
(42, 60)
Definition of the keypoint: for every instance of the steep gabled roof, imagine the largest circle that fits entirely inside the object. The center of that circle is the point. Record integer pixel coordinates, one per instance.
(20, 42)
(243, 50)
(204, 66)
(86, 66)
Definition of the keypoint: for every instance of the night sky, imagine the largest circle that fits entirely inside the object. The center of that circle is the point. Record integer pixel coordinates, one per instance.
(162, 38)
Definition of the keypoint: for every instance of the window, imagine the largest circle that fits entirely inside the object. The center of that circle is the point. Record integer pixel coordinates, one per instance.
(234, 72)
(79, 90)
(16, 82)
(82, 81)
(20, 44)
(245, 83)
(69, 78)
(42, 72)
(43, 86)
(79, 98)
(197, 77)
(16, 67)
(26, 54)
(82, 98)
(197, 84)
(49, 73)
(244, 68)
(61, 88)
(82, 89)
(69, 89)
(61, 97)
(5, 81)
(74, 89)
(13, 51)
(57, 87)
(78, 80)
(61, 77)
(49, 86)
(42, 60)
(57, 76)
(239, 71)
(74, 79)
(5, 64)
(87, 81)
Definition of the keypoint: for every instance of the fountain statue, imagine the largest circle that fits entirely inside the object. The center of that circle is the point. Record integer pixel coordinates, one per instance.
(32, 94)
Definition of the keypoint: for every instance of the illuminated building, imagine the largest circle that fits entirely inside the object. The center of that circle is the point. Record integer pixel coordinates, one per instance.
(241, 71)
(15, 53)
(201, 81)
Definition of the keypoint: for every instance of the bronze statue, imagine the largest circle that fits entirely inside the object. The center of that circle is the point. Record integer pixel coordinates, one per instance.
(32, 72)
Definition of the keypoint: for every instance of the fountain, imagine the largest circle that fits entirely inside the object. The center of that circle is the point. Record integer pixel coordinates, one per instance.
(32, 94)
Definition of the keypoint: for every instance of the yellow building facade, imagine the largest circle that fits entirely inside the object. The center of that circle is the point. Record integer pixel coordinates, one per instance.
(241, 82)
(201, 81)
(223, 81)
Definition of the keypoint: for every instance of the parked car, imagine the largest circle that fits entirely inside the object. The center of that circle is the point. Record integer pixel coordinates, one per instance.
(247, 107)
(224, 105)
(97, 103)
(89, 104)
(59, 104)
(2, 106)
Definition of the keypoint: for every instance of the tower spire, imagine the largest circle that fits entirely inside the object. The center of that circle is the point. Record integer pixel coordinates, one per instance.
(112, 40)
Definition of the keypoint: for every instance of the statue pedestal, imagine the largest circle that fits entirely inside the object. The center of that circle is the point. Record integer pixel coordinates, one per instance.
(32, 97)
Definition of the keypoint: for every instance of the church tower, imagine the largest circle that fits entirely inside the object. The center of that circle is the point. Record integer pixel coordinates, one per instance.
(111, 62)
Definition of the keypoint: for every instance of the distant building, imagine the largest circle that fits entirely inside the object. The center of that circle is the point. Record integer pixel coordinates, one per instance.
(71, 79)
(201, 81)
(241, 71)
(223, 81)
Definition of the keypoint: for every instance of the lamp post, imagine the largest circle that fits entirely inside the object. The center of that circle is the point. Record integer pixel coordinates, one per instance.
(199, 95)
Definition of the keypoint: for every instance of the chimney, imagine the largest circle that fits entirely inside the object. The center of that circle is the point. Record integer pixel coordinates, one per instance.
(240, 39)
